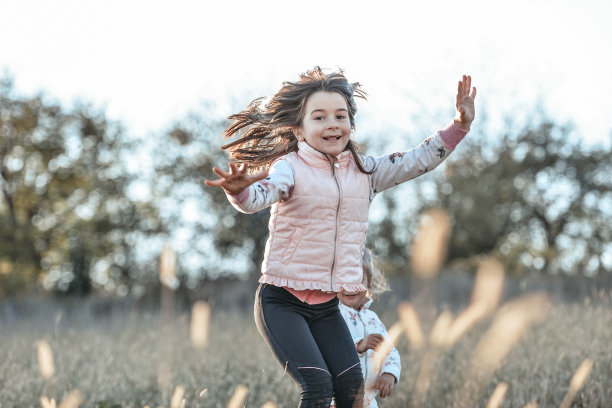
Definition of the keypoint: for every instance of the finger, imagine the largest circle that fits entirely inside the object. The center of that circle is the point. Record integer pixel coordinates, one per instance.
(459, 92)
(233, 168)
(214, 183)
(220, 172)
(242, 168)
(473, 94)
(468, 85)
(379, 386)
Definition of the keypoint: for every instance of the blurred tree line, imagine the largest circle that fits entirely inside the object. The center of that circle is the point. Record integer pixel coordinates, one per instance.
(84, 207)
(66, 222)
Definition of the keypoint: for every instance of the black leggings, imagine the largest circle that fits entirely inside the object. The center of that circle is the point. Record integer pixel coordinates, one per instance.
(313, 344)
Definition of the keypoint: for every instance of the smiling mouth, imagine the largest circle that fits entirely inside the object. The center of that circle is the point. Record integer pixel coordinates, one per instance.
(332, 137)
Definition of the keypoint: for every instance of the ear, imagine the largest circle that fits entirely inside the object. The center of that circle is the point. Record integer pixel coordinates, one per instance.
(297, 131)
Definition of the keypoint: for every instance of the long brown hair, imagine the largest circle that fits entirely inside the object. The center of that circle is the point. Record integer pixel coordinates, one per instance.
(265, 127)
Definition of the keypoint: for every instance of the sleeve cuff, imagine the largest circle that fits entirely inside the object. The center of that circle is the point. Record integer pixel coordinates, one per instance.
(393, 374)
(452, 134)
(240, 197)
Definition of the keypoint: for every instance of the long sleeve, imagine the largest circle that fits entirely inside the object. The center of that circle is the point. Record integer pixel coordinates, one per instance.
(262, 194)
(392, 363)
(396, 168)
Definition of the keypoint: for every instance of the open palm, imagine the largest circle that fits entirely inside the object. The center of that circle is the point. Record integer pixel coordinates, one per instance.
(236, 180)
(465, 102)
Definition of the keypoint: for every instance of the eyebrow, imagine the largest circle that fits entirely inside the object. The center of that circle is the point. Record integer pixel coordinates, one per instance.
(323, 110)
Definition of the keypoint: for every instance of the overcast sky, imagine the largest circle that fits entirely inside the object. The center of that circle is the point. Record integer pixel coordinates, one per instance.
(149, 62)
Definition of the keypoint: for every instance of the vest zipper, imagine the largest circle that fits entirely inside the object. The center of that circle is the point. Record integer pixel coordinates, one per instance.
(334, 166)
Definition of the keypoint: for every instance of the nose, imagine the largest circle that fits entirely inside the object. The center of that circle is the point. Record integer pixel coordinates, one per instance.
(333, 124)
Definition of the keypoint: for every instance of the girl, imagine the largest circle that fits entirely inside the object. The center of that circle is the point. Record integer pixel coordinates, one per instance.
(368, 332)
(320, 191)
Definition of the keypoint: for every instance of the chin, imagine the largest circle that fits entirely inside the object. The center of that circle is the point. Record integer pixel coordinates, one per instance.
(335, 152)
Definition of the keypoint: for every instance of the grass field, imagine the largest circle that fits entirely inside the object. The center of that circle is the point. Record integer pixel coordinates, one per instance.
(114, 360)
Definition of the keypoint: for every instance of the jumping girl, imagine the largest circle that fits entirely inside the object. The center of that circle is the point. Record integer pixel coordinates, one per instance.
(294, 152)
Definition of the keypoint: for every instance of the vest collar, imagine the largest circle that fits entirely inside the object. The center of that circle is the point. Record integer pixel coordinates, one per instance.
(315, 158)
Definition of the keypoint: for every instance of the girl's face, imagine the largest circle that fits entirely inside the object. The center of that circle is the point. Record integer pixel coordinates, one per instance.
(353, 300)
(326, 126)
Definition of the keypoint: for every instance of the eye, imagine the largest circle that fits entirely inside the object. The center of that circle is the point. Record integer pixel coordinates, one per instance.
(318, 118)
(340, 117)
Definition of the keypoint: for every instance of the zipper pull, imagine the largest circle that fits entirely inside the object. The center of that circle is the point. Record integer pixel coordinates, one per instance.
(337, 165)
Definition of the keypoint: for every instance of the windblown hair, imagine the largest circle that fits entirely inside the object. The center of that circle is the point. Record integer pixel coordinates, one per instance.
(376, 282)
(264, 129)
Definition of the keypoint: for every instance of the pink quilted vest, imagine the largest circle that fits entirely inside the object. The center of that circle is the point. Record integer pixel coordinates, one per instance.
(317, 235)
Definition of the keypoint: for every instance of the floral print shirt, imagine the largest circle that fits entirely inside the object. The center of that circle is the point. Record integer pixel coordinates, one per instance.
(362, 323)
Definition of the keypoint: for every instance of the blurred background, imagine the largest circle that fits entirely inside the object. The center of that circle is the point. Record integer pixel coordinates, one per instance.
(111, 114)
(125, 281)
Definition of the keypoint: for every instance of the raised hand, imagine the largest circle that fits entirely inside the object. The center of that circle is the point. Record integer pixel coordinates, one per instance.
(465, 103)
(236, 180)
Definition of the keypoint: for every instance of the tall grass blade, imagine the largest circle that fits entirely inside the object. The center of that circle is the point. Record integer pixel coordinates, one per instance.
(200, 323)
(238, 398)
(429, 248)
(498, 395)
(578, 380)
(45, 359)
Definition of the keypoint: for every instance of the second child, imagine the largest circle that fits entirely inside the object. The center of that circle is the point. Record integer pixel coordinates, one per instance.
(381, 374)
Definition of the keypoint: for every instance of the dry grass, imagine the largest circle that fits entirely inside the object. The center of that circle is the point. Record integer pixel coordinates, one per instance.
(529, 351)
(114, 362)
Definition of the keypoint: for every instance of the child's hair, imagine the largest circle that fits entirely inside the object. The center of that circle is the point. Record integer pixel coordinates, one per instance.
(265, 127)
(377, 283)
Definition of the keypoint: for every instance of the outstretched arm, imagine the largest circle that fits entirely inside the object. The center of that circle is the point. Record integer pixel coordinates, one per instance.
(252, 193)
(236, 180)
(465, 103)
(399, 167)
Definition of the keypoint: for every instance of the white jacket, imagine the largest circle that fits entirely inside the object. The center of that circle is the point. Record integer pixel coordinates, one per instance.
(362, 323)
